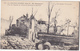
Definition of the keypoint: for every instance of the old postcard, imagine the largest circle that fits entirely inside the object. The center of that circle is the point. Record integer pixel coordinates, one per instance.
(39, 25)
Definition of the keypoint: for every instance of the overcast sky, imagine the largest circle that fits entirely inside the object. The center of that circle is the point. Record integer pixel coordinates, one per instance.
(68, 10)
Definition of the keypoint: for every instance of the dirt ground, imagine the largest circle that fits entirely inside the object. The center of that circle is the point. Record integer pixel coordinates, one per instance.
(16, 42)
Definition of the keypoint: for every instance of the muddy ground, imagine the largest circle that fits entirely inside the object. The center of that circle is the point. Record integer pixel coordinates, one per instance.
(16, 42)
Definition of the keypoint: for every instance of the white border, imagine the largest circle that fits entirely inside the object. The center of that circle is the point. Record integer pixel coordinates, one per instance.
(37, 0)
(40, 0)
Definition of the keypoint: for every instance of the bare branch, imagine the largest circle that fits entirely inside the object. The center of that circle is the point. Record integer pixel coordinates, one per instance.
(57, 13)
(35, 13)
(51, 8)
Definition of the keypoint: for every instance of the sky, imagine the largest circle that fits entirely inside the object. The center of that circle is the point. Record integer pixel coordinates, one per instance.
(68, 10)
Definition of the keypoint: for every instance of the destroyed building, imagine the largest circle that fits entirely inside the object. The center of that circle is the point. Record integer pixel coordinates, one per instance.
(23, 24)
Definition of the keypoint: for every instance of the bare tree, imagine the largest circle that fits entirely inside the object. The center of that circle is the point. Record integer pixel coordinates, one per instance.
(55, 21)
(68, 21)
(10, 19)
(49, 15)
(32, 17)
(67, 24)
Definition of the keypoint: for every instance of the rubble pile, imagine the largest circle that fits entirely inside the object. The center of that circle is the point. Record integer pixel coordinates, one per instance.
(13, 42)
(16, 42)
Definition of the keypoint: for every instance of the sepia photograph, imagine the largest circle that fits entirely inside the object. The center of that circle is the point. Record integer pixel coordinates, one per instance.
(40, 25)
